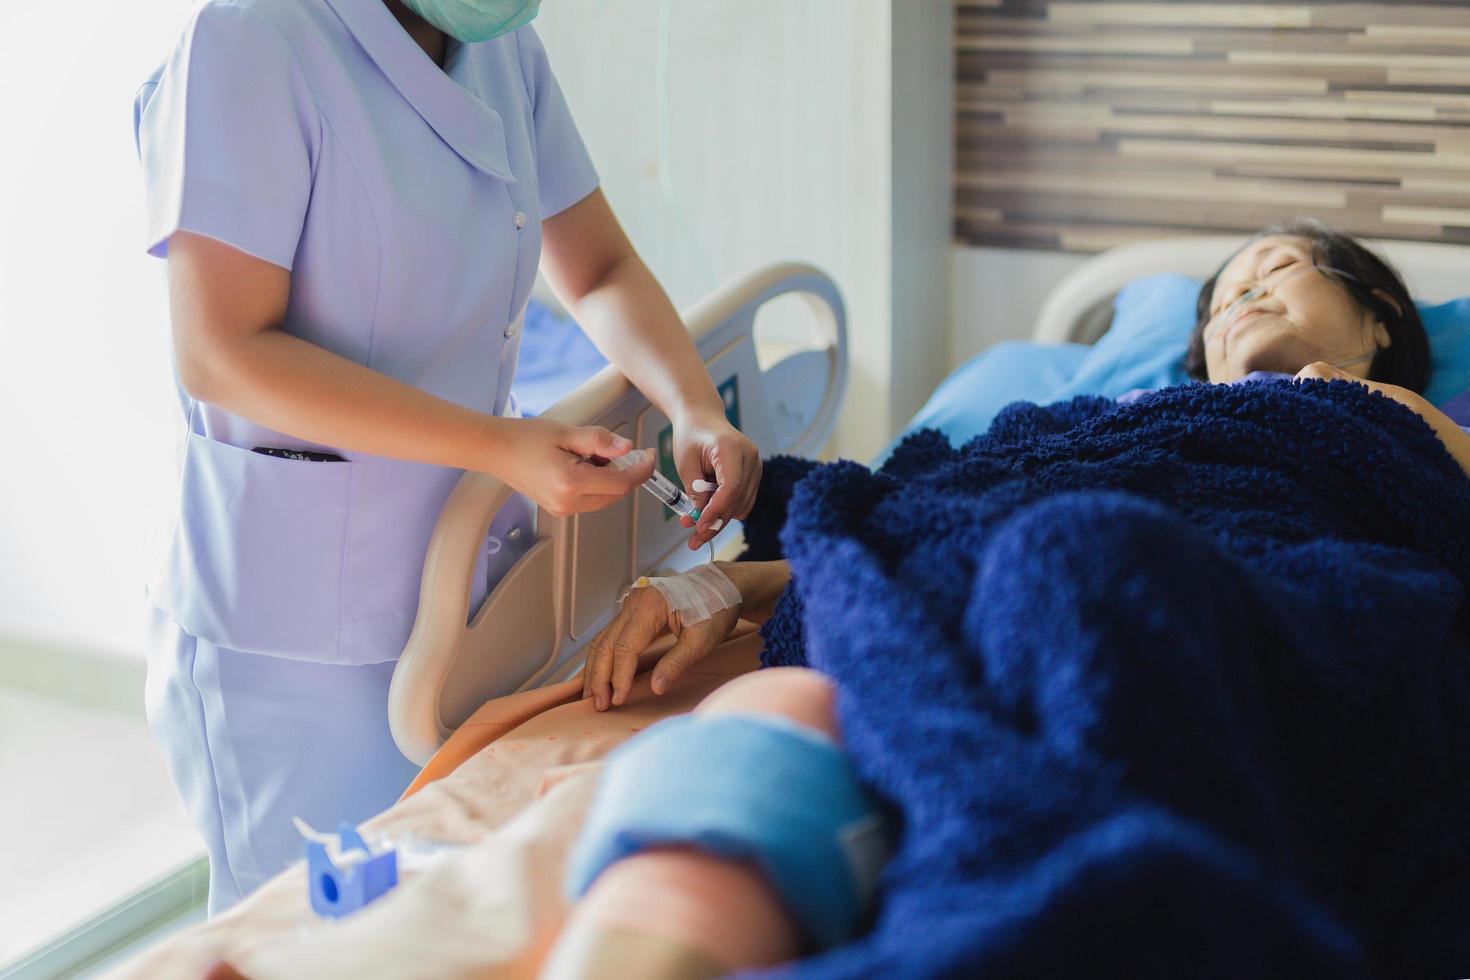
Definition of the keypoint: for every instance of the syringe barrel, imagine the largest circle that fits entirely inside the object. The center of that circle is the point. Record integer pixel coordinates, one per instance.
(662, 488)
(659, 485)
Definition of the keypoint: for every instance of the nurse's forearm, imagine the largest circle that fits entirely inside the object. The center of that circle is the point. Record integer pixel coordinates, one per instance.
(631, 320)
(295, 387)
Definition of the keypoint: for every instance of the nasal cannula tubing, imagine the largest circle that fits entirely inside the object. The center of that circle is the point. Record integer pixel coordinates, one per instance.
(1261, 289)
(660, 486)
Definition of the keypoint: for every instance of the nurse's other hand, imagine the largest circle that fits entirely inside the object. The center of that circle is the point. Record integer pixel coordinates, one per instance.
(710, 448)
(553, 464)
(642, 617)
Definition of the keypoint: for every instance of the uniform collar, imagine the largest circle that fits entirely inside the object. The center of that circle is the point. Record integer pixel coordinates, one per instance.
(470, 127)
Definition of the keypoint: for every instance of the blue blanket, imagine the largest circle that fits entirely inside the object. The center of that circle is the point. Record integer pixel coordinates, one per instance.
(1178, 688)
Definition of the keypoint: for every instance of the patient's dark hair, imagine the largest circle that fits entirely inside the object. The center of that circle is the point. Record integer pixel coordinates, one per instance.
(1405, 362)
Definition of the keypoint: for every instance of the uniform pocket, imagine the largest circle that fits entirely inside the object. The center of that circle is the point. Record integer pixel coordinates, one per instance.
(256, 560)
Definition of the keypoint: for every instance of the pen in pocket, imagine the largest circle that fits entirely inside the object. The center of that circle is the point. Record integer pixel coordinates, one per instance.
(304, 455)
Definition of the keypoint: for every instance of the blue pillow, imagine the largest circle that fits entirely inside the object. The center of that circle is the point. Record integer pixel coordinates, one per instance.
(555, 357)
(1144, 348)
(966, 402)
(1448, 326)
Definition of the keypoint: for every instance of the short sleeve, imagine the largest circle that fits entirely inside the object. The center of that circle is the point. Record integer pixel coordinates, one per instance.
(563, 166)
(227, 133)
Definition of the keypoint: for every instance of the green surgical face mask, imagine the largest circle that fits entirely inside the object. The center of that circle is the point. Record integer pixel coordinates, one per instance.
(468, 21)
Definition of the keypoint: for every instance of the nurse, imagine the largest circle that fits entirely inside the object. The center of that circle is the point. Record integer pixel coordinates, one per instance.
(352, 197)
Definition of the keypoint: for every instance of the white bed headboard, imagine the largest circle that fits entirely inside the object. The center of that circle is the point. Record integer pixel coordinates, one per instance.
(1434, 273)
(569, 572)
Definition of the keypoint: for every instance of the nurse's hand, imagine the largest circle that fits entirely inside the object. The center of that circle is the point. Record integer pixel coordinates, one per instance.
(642, 617)
(549, 462)
(707, 447)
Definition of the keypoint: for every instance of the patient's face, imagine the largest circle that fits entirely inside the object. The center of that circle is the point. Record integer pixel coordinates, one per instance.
(1302, 317)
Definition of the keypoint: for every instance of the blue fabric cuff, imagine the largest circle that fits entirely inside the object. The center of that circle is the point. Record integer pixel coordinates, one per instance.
(747, 787)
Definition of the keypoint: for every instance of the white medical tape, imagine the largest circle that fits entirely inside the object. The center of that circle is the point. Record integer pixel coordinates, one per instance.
(340, 856)
(696, 595)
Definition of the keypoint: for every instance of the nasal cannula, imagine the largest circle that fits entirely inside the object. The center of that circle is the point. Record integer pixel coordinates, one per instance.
(660, 486)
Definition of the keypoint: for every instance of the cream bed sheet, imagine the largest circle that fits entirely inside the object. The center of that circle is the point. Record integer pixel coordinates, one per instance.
(489, 910)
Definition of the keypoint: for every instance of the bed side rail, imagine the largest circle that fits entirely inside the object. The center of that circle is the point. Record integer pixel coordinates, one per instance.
(565, 575)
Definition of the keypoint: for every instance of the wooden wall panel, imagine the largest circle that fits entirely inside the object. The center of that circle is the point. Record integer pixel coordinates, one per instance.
(1083, 125)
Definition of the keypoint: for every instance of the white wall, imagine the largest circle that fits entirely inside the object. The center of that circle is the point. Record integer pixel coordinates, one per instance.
(84, 385)
(922, 179)
(733, 133)
(996, 294)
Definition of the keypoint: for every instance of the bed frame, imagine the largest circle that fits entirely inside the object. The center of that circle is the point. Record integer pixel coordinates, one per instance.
(1434, 273)
(563, 576)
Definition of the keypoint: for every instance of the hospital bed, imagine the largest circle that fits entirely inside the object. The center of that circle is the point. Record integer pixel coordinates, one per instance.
(514, 776)
(518, 640)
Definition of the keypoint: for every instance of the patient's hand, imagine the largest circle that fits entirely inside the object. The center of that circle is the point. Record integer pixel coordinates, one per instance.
(644, 616)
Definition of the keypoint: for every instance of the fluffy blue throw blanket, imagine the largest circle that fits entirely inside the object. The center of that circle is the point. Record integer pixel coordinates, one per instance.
(1179, 688)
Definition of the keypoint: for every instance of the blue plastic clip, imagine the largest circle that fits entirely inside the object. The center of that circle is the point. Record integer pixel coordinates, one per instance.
(339, 891)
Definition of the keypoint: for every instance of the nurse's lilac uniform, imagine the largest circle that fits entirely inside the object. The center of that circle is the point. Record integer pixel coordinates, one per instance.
(406, 200)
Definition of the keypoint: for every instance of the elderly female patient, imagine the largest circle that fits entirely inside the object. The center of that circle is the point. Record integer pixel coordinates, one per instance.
(1174, 619)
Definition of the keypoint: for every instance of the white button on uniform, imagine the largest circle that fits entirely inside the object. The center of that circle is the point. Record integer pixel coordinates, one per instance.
(520, 219)
(511, 329)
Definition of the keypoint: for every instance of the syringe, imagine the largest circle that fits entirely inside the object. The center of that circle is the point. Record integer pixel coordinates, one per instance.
(659, 485)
